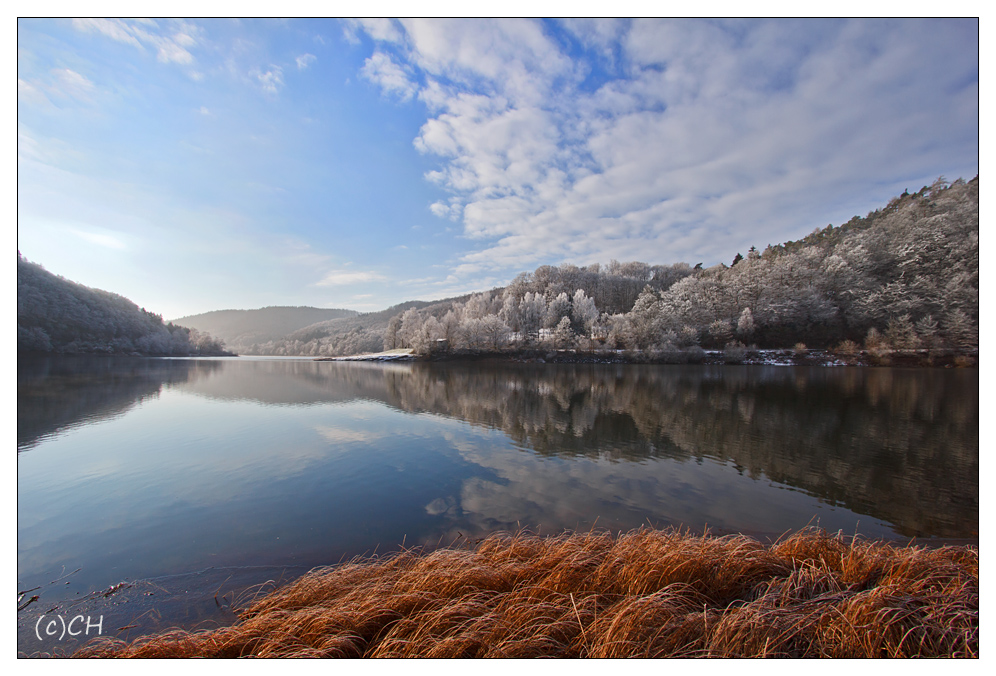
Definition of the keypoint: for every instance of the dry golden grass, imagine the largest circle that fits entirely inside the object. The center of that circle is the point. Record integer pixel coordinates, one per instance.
(647, 593)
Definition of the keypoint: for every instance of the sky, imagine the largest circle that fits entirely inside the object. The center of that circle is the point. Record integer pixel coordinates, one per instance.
(197, 165)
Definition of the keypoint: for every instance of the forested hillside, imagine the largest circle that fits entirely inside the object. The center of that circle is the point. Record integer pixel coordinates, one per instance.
(903, 277)
(242, 329)
(56, 315)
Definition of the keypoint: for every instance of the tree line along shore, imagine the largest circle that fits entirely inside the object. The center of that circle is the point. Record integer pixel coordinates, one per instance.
(799, 355)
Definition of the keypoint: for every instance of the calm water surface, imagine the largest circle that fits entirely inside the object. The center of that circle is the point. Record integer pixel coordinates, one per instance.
(139, 469)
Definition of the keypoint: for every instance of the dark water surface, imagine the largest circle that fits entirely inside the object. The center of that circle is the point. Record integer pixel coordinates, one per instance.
(155, 469)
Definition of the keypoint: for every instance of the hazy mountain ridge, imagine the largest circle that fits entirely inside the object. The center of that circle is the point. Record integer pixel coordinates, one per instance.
(347, 335)
(243, 328)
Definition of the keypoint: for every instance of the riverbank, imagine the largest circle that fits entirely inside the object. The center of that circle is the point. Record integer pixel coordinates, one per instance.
(646, 593)
(388, 355)
(744, 356)
(38, 354)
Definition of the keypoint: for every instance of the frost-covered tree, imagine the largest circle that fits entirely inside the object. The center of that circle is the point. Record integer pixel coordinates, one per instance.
(510, 312)
(449, 327)
(563, 335)
(495, 332)
(391, 339)
(688, 336)
(900, 333)
(478, 306)
(928, 331)
(720, 332)
(960, 331)
(584, 313)
(646, 320)
(558, 308)
(471, 334)
(745, 325)
(532, 310)
(411, 325)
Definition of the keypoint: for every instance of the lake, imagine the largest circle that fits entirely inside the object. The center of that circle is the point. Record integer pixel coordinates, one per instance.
(194, 478)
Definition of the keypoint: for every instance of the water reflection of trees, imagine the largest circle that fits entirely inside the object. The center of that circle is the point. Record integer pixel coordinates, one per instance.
(897, 444)
(900, 445)
(59, 392)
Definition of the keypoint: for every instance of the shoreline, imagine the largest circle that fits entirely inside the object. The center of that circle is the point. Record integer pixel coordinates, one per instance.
(645, 593)
(758, 357)
(193, 355)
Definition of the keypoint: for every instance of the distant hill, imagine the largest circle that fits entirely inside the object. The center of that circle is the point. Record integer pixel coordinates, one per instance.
(243, 328)
(344, 335)
(57, 315)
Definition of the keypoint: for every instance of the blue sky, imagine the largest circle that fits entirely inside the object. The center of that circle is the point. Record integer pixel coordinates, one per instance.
(198, 165)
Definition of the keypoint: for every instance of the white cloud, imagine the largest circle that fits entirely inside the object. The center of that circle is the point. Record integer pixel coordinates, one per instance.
(270, 81)
(116, 29)
(392, 78)
(27, 147)
(169, 39)
(301, 255)
(383, 30)
(172, 52)
(508, 56)
(699, 138)
(600, 34)
(452, 211)
(100, 239)
(346, 277)
(305, 60)
(29, 93)
(40, 151)
(72, 84)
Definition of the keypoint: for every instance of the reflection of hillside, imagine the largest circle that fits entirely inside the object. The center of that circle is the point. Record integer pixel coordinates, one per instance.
(898, 445)
(295, 382)
(59, 392)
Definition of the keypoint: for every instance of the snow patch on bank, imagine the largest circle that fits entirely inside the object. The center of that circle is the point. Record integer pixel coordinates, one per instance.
(389, 355)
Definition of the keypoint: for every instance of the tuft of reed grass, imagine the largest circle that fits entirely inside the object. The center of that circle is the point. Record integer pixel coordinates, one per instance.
(646, 593)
